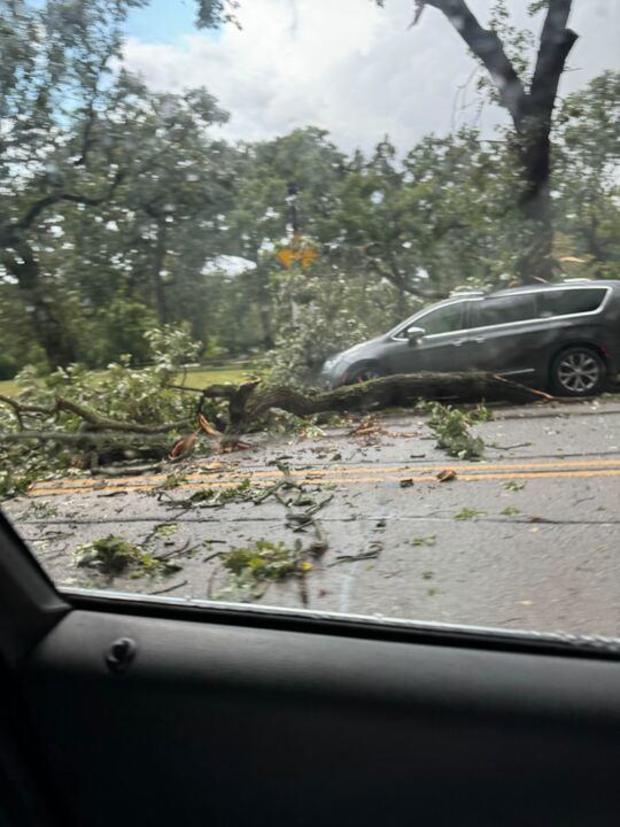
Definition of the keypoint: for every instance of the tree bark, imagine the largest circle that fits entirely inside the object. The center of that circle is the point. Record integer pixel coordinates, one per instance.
(531, 112)
(158, 265)
(47, 328)
(20, 261)
(250, 402)
(263, 300)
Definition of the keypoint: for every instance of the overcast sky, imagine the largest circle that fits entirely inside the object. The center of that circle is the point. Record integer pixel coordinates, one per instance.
(344, 65)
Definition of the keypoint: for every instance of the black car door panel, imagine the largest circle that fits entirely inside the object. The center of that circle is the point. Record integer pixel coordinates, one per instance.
(212, 724)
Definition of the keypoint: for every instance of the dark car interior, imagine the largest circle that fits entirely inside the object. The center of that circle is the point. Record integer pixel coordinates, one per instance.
(129, 712)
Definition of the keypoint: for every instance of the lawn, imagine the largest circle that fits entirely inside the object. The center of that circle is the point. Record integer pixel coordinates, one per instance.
(8, 387)
(212, 376)
(194, 378)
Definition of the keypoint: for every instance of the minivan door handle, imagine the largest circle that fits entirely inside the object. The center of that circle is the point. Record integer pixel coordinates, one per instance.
(478, 340)
(459, 342)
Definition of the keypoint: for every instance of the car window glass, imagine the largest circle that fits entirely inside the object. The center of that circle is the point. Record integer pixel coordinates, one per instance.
(443, 320)
(565, 302)
(503, 310)
(218, 219)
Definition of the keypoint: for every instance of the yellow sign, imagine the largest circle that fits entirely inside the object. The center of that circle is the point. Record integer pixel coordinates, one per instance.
(300, 254)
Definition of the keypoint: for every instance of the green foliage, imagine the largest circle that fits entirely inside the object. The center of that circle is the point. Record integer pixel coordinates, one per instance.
(214, 13)
(317, 317)
(132, 202)
(468, 514)
(514, 485)
(510, 511)
(12, 484)
(213, 497)
(424, 541)
(451, 428)
(119, 392)
(115, 556)
(262, 561)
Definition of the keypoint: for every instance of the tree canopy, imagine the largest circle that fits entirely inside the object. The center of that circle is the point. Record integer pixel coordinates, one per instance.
(123, 209)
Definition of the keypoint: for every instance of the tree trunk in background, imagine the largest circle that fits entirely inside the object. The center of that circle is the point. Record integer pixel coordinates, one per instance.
(159, 290)
(47, 327)
(531, 113)
(536, 261)
(264, 302)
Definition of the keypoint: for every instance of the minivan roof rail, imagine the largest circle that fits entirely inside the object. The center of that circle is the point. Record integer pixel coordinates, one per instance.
(467, 293)
(575, 281)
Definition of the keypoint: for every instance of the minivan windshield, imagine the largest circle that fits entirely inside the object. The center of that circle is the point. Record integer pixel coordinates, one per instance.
(210, 213)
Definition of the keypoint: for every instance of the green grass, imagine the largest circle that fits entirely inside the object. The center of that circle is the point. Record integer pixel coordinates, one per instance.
(212, 376)
(193, 379)
(8, 387)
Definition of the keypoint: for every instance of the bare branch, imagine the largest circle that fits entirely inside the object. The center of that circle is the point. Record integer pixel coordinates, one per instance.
(488, 48)
(42, 204)
(94, 420)
(556, 41)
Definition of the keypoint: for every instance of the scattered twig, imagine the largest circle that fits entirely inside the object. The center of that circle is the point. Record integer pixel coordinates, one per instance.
(212, 556)
(354, 558)
(170, 588)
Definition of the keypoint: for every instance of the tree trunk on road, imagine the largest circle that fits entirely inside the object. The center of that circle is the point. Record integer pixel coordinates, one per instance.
(249, 403)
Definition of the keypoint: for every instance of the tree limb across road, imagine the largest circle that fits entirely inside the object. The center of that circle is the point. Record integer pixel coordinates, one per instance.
(101, 437)
(250, 402)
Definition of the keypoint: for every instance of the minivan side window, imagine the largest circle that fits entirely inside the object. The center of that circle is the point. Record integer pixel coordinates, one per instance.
(565, 302)
(443, 319)
(503, 310)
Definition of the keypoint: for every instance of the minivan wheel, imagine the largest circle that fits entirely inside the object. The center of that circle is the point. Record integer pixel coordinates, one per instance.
(363, 372)
(578, 371)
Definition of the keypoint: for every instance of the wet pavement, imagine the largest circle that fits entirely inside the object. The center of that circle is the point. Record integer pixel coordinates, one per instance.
(527, 538)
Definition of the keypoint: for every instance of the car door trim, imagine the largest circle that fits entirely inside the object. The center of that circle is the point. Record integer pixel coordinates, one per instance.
(343, 625)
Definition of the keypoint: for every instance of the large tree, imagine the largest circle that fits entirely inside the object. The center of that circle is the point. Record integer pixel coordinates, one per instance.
(100, 177)
(529, 99)
(530, 103)
(62, 137)
(587, 188)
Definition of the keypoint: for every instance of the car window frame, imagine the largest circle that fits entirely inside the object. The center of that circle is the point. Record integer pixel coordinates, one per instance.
(608, 289)
(32, 606)
(421, 314)
(581, 288)
(533, 293)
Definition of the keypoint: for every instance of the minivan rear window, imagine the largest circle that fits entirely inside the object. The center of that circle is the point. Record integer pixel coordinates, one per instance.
(516, 308)
(566, 302)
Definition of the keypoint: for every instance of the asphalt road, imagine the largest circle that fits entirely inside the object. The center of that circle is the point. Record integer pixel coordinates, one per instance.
(528, 538)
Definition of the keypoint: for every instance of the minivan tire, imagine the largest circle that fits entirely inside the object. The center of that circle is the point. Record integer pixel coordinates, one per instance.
(363, 372)
(578, 371)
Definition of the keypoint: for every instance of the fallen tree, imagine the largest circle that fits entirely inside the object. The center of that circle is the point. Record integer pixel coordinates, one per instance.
(250, 402)
(101, 439)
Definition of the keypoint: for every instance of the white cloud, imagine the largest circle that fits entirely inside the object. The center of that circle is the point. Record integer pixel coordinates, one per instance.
(351, 68)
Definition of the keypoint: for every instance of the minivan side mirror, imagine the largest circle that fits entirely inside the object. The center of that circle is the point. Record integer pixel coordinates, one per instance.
(414, 334)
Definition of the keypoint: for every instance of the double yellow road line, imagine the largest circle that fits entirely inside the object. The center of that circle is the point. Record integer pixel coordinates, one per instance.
(223, 476)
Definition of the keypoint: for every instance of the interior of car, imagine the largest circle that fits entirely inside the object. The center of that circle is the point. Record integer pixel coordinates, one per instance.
(270, 554)
(125, 711)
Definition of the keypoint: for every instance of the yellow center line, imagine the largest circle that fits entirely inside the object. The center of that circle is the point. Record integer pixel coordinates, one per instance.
(354, 470)
(507, 474)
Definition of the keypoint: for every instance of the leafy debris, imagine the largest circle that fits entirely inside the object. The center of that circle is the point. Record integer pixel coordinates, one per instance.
(424, 541)
(469, 514)
(114, 556)
(451, 428)
(514, 485)
(447, 475)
